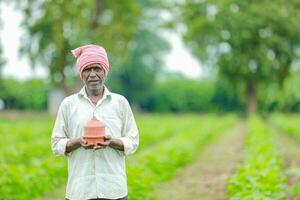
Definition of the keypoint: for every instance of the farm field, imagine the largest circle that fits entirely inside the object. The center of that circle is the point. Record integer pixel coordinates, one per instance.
(183, 156)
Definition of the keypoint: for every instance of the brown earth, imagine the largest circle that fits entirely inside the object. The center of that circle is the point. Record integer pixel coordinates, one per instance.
(289, 148)
(206, 177)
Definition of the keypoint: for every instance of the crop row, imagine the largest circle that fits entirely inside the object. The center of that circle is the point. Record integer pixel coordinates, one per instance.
(260, 175)
(28, 166)
(158, 163)
(287, 123)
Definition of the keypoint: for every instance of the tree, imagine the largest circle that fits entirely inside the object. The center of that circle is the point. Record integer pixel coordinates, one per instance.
(137, 75)
(2, 59)
(2, 62)
(252, 43)
(55, 27)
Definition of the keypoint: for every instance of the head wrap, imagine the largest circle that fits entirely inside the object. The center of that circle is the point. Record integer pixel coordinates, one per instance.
(90, 54)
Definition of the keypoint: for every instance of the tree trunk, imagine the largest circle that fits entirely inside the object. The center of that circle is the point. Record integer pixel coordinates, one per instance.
(251, 94)
(99, 6)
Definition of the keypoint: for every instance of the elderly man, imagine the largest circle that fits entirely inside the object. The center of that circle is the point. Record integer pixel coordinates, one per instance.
(95, 171)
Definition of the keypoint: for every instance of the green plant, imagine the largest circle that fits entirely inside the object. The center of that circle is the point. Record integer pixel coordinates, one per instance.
(259, 177)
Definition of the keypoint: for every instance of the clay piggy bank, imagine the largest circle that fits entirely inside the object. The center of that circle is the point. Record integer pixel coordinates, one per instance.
(94, 131)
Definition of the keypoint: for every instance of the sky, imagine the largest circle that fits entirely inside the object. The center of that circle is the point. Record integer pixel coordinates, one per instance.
(10, 39)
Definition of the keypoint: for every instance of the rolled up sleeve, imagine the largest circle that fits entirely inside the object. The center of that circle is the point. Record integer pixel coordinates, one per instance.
(59, 138)
(130, 133)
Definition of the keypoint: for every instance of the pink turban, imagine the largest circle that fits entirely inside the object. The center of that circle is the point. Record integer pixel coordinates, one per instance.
(90, 54)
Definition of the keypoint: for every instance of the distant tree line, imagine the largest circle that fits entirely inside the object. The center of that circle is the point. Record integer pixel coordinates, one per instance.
(253, 45)
(24, 95)
(178, 95)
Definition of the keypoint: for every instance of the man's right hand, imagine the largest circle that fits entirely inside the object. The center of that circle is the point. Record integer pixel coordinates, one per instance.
(76, 143)
(85, 145)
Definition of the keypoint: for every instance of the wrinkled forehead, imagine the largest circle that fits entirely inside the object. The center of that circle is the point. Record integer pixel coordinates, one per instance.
(94, 66)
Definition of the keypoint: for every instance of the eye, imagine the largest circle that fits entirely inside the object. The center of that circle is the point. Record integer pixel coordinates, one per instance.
(87, 70)
(97, 69)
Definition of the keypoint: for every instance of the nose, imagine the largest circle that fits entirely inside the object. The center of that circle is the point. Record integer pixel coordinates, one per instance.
(93, 73)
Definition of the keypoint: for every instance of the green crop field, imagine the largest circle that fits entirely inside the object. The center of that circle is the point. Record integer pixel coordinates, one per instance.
(260, 176)
(29, 170)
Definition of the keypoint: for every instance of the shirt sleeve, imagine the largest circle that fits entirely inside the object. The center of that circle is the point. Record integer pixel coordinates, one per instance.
(59, 138)
(130, 133)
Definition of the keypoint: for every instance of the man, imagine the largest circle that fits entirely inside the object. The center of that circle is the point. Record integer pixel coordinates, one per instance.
(95, 171)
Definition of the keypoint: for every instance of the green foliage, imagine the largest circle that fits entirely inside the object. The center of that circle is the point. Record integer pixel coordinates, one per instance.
(287, 123)
(227, 97)
(173, 95)
(181, 95)
(127, 30)
(147, 122)
(28, 166)
(295, 188)
(136, 78)
(251, 42)
(2, 59)
(259, 177)
(53, 28)
(176, 95)
(156, 164)
(30, 95)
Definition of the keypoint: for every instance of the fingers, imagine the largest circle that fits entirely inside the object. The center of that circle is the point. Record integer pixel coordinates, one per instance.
(107, 137)
(85, 144)
(82, 141)
(98, 145)
(88, 146)
(101, 145)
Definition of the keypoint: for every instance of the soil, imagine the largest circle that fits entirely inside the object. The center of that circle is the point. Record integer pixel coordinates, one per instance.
(289, 148)
(206, 178)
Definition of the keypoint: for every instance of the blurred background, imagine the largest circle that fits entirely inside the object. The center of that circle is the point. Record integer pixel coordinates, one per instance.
(172, 59)
(212, 58)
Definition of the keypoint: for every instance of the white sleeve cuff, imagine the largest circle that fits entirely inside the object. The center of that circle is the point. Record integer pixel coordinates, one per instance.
(129, 146)
(60, 147)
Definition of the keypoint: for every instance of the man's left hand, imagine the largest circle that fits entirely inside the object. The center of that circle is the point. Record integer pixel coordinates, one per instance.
(103, 145)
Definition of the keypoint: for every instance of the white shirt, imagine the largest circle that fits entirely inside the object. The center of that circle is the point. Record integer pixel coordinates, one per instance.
(100, 173)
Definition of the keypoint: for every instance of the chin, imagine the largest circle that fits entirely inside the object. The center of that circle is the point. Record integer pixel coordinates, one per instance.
(94, 87)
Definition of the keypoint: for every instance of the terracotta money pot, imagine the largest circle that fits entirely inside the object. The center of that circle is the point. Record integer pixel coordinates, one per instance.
(94, 131)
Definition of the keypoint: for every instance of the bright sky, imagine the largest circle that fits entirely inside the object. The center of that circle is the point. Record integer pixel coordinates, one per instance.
(178, 60)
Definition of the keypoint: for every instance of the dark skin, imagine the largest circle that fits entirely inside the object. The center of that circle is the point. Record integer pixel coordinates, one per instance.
(93, 77)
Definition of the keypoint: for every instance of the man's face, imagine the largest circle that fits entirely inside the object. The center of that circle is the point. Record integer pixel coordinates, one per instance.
(93, 76)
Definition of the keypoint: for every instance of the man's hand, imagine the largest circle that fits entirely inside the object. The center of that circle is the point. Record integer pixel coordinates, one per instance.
(73, 144)
(103, 145)
(85, 145)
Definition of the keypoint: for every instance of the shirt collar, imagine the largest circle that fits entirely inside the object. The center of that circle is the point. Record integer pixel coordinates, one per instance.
(82, 93)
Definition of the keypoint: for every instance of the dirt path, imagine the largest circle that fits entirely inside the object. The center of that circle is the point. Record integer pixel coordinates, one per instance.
(290, 150)
(206, 178)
